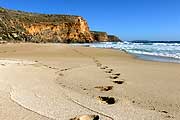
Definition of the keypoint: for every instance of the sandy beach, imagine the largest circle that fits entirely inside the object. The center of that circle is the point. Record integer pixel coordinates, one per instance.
(60, 82)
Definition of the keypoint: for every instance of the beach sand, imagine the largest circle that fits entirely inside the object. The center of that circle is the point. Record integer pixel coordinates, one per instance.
(60, 82)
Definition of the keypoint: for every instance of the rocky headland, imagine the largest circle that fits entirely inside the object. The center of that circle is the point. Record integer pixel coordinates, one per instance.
(18, 26)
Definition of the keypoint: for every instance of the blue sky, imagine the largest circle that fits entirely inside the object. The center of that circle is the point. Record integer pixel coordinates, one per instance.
(128, 19)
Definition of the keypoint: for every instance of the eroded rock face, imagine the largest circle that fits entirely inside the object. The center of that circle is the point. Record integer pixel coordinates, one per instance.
(77, 31)
(113, 38)
(33, 27)
(99, 36)
(104, 37)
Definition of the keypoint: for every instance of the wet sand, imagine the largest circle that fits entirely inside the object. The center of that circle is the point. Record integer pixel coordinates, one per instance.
(60, 82)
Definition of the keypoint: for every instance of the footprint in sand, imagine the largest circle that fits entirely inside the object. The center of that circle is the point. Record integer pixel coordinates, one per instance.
(62, 85)
(169, 116)
(106, 100)
(113, 77)
(3, 52)
(86, 117)
(165, 112)
(3, 65)
(53, 68)
(118, 82)
(36, 61)
(96, 61)
(104, 67)
(118, 74)
(65, 69)
(104, 88)
(84, 88)
(99, 64)
(109, 71)
(60, 74)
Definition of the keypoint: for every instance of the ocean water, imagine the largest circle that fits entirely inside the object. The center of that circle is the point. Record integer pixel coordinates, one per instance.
(163, 51)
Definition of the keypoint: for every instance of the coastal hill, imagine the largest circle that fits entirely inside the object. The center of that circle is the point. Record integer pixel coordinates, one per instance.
(32, 27)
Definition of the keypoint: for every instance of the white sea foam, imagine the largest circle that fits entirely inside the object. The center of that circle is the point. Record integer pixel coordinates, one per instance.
(169, 50)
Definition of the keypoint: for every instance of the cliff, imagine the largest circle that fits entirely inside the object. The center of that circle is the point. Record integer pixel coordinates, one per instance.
(113, 38)
(32, 27)
(99, 36)
(104, 37)
(76, 31)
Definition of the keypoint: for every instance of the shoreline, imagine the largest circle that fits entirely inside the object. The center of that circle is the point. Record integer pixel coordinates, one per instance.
(59, 74)
(141, 56)
(144, 51)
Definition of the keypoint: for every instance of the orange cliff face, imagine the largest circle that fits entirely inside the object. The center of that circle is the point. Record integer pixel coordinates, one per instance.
(76, 31)
(99, 36)
(18, 26)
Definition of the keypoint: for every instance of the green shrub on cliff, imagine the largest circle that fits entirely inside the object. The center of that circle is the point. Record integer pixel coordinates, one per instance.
(2, 9)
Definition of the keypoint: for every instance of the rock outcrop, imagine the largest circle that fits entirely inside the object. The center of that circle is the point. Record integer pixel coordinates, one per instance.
(99, 36)
(76, 31)
(113, 38)
(104, 37)
(32, 27)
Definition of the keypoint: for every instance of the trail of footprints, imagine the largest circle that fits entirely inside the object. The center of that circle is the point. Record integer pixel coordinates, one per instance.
(103, 99)
(113, 76)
